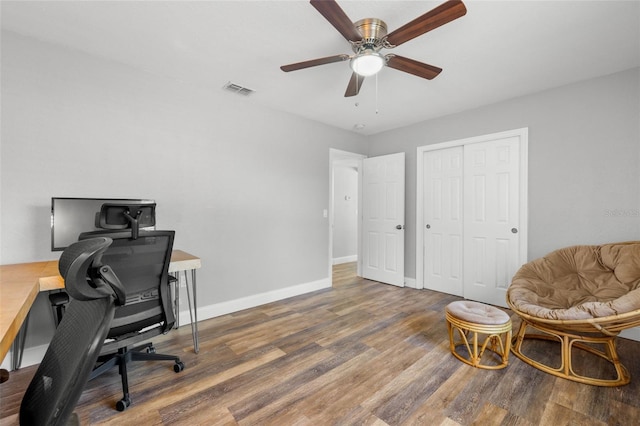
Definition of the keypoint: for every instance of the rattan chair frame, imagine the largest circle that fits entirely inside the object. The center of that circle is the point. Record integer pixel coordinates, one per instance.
(581, 334)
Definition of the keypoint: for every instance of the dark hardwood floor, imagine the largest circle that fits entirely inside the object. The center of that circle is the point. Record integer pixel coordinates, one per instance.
(361, 353)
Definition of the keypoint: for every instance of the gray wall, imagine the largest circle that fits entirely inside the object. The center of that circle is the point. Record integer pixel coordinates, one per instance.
(244, 187)
(584, 160)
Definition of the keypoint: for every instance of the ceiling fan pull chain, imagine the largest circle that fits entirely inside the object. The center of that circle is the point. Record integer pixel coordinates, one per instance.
(376, 93)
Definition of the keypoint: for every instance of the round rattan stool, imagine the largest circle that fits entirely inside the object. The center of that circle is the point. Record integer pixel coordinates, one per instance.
(473, 321)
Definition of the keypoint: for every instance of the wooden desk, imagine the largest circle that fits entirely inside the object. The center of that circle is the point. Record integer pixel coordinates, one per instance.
(18, 290)
(50, 279)
(21, 282)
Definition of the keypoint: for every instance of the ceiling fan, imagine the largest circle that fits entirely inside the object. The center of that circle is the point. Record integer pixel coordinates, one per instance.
(369, 36)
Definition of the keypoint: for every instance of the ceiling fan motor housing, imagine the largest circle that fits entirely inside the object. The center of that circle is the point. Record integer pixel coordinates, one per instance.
(373, 32)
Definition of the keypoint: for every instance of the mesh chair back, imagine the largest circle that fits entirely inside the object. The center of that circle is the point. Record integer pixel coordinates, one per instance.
(71, 355)
(142, 266)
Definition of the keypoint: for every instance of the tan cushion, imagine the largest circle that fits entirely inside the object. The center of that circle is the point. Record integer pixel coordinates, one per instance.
(579, 282)
(624, 259)
(477, 313)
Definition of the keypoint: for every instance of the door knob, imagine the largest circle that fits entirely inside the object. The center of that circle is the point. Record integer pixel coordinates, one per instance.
(428, 226)
(398, 226)
(514, 230)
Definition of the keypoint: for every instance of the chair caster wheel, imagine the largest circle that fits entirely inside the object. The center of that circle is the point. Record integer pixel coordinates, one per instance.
(123, 404)
(178, 366)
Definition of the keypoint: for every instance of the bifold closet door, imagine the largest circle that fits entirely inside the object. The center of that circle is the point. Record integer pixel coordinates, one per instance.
(471, 205)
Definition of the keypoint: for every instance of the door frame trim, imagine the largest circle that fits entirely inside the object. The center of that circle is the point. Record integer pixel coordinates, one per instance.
(523, 134)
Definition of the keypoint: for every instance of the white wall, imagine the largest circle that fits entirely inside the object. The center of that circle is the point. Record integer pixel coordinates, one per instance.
(584, 160)
(244, 187)
(345, 214)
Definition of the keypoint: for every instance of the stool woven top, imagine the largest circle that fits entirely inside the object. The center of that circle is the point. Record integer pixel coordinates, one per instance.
(477, 313)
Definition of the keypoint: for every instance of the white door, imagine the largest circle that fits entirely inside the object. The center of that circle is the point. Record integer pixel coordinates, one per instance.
(443, 218)
(383, 219)
(492, 218)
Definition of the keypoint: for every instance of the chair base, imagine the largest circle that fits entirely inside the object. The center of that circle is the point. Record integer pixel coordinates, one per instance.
(144, 352)
(496, 340)
(568, 341)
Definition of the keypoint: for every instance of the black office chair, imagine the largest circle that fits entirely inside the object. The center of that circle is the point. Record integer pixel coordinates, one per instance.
(112, 216)
(142, 265)
(71, 356)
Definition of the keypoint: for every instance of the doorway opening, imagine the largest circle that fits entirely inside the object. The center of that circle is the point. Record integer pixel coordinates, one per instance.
(344, 209)
(344, 274)
(380, 214)
(345, 213)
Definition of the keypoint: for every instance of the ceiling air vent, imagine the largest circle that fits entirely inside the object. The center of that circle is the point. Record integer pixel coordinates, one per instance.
(237, 89)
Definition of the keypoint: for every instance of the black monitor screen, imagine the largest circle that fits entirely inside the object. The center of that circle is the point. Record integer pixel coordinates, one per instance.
(72, 216)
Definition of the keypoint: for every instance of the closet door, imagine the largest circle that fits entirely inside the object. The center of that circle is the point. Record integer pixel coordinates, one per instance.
(472, 215)
(492, 214)
(443, 217)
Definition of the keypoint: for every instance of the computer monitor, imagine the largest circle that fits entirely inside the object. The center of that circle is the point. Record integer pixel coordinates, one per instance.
(72, 216)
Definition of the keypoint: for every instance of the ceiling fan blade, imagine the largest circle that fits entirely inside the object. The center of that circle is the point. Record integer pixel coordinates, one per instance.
(354, 85)
(445, 13)
(314, 62)
(413, 67)
(336, 17)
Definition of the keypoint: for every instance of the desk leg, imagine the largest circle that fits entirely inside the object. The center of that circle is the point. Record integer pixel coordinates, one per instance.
(176, 300)
(193, 312)
(17, 347)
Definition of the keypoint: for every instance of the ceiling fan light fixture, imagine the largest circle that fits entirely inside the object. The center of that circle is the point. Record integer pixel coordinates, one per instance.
(367, 63)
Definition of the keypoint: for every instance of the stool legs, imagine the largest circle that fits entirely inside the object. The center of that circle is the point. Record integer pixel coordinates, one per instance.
(497, 340)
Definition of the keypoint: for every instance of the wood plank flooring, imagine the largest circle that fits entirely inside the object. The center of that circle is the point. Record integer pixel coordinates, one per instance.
(360, 353)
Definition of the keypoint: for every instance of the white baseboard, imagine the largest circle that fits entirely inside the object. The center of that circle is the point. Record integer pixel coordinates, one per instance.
(345, 259)
(230, 306)
(631, 333)
(30, 356)
(410, 282)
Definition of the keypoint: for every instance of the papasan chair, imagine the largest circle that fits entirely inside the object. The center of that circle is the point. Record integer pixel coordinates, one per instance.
(580, 297)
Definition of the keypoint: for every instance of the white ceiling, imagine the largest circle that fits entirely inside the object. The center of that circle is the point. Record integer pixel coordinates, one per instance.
(499, 50)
